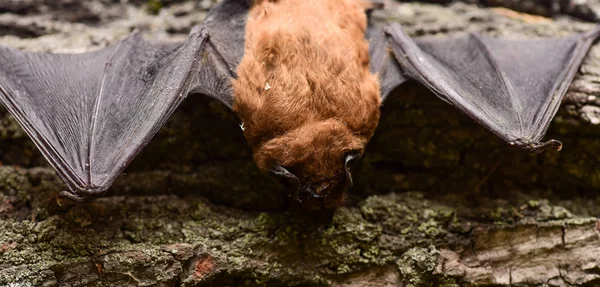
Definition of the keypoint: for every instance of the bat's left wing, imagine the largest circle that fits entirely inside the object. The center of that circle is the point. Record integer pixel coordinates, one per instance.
(512, 87)
(91, 113)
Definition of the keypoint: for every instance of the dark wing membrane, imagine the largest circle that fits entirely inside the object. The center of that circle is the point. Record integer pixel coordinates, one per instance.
(91, 113)
(512, 87)
(226, 23)
(382, 61)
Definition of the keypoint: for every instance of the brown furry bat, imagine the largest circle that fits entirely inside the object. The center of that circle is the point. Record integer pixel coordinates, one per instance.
(305, 77)
(306, 96)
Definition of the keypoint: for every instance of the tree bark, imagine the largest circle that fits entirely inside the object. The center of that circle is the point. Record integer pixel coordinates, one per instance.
(438, 200)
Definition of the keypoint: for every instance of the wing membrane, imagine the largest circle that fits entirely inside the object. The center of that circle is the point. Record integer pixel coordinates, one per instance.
(512, 87)
(91, 113)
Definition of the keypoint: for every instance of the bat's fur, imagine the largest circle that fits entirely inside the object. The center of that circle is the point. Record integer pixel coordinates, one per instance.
(304, 91)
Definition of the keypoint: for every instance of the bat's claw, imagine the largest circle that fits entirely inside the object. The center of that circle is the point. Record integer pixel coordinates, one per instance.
(65, 194)
(81, 194)
(551, 144)
(376, 4)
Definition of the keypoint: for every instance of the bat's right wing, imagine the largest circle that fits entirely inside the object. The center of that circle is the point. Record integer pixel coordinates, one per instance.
(512, 87)
(91, 113)
(382, 60)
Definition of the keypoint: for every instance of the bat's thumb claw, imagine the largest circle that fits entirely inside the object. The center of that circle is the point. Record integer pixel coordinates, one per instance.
(371, 5)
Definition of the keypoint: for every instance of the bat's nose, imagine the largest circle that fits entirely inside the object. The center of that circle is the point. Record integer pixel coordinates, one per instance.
(333, 188)
(320, 192)
(325, 195)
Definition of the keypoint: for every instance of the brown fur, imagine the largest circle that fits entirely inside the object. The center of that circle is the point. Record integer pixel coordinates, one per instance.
(322, 102)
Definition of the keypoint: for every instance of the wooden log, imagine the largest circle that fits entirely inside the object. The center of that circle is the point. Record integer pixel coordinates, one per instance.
(439, 201)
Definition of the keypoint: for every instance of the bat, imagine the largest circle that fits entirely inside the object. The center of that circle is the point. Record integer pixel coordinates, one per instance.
(307, 98)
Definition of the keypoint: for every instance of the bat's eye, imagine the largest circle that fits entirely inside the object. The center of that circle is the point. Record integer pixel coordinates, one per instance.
(288, 179)
(349, 159)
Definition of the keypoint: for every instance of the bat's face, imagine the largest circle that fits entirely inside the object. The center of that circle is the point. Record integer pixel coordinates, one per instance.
(313, 162)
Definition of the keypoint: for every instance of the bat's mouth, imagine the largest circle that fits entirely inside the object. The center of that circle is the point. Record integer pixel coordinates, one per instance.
(322, 196)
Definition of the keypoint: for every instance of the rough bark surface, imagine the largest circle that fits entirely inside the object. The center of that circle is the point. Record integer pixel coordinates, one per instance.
(439, 201)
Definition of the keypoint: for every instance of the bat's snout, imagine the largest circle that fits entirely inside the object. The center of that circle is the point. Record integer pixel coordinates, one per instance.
(315, 195)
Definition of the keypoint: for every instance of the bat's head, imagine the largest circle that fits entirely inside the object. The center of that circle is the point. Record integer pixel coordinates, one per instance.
(313, 161)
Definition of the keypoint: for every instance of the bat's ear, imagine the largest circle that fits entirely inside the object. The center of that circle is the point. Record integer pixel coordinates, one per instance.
(288, 179)
(349, 160)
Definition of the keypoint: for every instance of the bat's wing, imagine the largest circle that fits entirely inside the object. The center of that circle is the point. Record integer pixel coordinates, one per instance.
(91, 113)
(382, 61)
(512, 87)
(226, 26)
